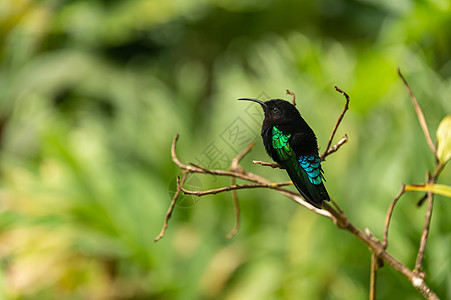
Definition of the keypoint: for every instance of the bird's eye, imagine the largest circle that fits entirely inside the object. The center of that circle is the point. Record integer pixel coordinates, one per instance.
(275, 110)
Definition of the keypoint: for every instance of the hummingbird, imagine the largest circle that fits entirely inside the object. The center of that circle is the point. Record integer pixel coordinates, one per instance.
(290, 142)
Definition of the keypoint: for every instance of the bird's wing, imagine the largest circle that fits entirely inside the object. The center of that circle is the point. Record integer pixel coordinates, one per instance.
(304, 171)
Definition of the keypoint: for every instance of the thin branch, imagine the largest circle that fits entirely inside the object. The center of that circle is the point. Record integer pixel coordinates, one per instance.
(338, 121)
(293, 101)
(334, 148)
(427, 221)
(340, 219)
(204, 170)
(234, 166)
(236, 206)
(424, 236)
(267, 164)
(236, 160)
(420, 116)
(170, 210)
(389, 215)
(336, 206)
(197, 169)
(376, 263)
(373, 277)
(231, 188)
(296, 197)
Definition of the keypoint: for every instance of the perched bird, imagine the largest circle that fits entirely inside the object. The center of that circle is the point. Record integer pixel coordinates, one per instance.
(290, 142)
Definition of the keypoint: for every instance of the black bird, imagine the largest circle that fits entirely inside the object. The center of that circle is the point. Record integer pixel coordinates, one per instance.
(292, 143)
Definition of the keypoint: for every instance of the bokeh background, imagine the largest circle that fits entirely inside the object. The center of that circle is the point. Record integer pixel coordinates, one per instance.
(93, 92)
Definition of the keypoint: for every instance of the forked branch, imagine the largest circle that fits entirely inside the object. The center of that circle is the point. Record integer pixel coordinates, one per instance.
(340, 118)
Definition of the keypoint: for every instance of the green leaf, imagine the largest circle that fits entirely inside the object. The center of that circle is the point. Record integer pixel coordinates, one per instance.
(444, 140)
(440, 189)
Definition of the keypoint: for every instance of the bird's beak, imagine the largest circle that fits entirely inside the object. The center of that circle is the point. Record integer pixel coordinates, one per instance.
(262, 103)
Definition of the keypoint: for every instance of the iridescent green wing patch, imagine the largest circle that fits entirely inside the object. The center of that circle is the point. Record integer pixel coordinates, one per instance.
(281, 145)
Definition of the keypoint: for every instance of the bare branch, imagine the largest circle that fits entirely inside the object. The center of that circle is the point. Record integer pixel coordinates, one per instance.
(231, 188)
(239, 157)
(293, 101)
(334, 148)
(389, 214)
(424, 236)
(267, 164)
(339, 218)
(420, 116)
(346, 107)
(427, 221)
(234, 166)
(197, 169)
(170, 210)
(236, 206)
(336, 206)
(296, 197)
(373, 277)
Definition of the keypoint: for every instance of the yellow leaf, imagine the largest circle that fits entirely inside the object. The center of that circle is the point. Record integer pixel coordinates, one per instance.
(440, 189)
(444, 140)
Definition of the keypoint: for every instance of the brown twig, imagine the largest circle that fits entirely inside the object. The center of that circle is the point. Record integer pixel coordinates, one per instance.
(267, 164)
(170, 210)
(197, 169)
(236, 160)
(334, 148)
(336, 206)
(420, 116)
(237, 210)
(340, 218)
(293, 101)
(427, 221)
(373, 276)
(346, 107)
(376, 263)
(231, 188)
(424, 236)
(234, 166)
(389, 215)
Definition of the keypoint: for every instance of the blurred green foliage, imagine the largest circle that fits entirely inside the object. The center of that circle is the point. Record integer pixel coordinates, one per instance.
(93, 92)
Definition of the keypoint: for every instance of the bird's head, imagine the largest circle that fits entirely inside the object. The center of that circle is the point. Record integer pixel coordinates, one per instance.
(277, 111)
